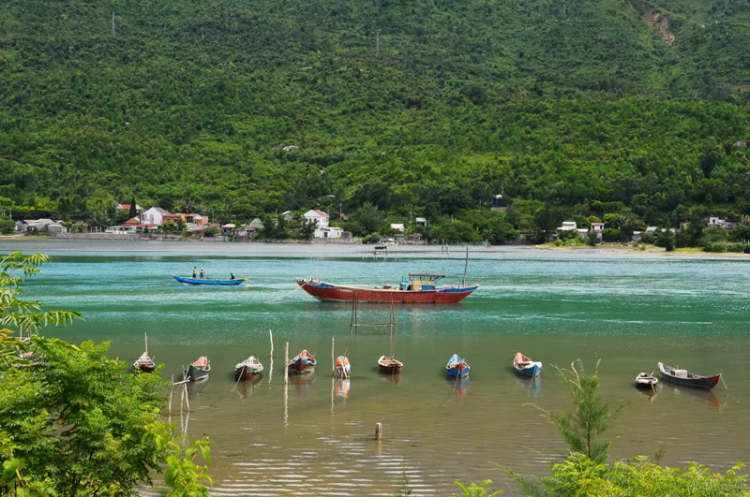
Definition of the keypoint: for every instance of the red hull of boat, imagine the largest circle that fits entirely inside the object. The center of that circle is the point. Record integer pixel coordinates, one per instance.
(347, 294)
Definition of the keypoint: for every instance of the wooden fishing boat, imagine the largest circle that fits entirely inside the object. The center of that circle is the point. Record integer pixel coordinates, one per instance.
(390, 365)
(646, 381)
(416, 288)
(457, 367)
(686, 378)
(199, 370)
(247, 369)
(208, 281)
(144, 363)
(304, 362)
(525, 366)
(343, 367)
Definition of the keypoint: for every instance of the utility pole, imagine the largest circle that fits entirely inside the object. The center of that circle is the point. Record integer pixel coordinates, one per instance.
(113, 24)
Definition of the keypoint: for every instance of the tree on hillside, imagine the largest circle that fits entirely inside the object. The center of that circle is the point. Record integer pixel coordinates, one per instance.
(133, 211)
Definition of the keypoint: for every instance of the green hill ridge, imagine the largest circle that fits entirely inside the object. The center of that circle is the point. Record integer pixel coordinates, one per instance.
(419, 108)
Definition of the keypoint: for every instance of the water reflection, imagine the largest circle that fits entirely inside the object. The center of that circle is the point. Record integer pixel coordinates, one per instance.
(194, 388)
(393, 379)
(532, 385)
(343, 387)
(707, 397)
(459, 387)
(301, 381)
(247, 387)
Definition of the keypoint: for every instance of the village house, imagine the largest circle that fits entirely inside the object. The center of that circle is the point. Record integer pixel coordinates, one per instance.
(598, 229)
(253, 227)
(228, 229)
(421, 222)
(398, 227)
(328, 233)
(33, 225)
(56, 229)
(317, 218)
(155, 215)
(126, 207)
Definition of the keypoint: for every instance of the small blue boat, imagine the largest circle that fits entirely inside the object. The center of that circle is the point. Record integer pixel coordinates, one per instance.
(457, 367)
(525, 366)
(208, 281)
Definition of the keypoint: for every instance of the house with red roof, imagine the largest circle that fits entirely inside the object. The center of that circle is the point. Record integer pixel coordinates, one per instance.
(317, 218)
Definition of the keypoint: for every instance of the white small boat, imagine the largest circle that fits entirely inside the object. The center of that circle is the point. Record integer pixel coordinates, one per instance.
(247, 369)
(644, 380)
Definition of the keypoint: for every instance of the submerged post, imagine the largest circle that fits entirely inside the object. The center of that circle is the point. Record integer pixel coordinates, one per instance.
(378, 431)
(270, 332)
(333, 355)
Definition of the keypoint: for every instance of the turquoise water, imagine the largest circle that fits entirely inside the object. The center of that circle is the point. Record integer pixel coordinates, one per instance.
(314, 436)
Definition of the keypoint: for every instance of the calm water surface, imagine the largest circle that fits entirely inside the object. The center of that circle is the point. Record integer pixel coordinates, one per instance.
(314, 436)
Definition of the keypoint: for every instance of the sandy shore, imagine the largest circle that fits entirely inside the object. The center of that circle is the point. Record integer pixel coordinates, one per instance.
(113, 247)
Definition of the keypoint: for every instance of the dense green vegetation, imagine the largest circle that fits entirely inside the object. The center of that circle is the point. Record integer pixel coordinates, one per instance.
(426, 108)
(74, 421)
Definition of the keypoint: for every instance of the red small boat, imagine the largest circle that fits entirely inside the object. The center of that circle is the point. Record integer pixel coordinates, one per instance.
(417, 288)
(304, 362)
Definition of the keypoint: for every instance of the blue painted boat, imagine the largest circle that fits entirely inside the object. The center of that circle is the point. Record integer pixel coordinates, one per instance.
(457, 367)
(525, 366)
(208, 281)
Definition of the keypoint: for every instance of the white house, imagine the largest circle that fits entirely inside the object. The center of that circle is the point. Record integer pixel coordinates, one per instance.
(421, 221)
(316, 217)
(56, 229)
(155, 215)
(568, 226)
(287, 215)
(398, 227)
(716, 222)
(325, 232)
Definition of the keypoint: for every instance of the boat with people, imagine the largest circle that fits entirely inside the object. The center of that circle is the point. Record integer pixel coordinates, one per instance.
(646, 381)
(457, 367)
(304, 362)
(247, 369)
(199, 370)
(525, 366)
(185, 280)
(686, 378)
(415, 288)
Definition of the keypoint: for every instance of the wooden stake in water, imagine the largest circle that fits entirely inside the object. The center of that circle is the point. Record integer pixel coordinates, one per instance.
(333, 355)
(378, 431)
(286, 364)
(271, 334)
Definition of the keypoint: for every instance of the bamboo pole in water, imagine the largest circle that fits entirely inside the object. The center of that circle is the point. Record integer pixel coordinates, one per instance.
(333, 355)
(271, 334)
(286, 364)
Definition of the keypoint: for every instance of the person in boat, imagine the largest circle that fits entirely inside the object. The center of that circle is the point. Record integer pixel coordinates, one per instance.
(203, 273)
(231, 276)
(195, 269)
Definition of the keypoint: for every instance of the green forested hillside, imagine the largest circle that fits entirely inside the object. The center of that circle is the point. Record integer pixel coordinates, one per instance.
(420, 107)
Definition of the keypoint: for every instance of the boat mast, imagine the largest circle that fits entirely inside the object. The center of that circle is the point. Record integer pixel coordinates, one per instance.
(390, 323)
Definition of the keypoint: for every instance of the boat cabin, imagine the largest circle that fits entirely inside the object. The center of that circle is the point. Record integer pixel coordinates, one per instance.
(420, 281)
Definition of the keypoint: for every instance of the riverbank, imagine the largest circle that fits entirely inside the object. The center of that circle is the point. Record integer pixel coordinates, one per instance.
(263, 249)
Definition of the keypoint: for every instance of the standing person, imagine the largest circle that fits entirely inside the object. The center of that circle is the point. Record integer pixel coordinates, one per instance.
(203, 273)
(195, 269)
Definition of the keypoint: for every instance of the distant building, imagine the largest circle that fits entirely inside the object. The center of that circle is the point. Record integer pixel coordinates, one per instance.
(287, 215)
(56, 229)
(398, 227)
(716, 222)
(228, 229)
(126, 207)
(316, 217)
(255, 225)
(568, 226)
(328, 232)
(155, 215)
(421, 222)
